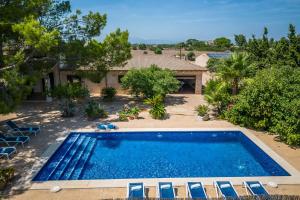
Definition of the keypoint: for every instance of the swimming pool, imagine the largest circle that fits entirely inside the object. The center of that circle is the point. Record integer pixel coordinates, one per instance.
(164, 154)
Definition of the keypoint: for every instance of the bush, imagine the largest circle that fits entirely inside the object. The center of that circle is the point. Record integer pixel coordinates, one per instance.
(158, 51)
(271, 102)
(212, 64)
(150, 81)
(202, 110)
(157, 110)
(134, 111)
(93, 110)
(67, 108)
(6, 175)
(129, 112)
(108, 93)
(217, 93)
(142, 47)
(123, 116)
(70, 91)
(67, 94)
(191, 56)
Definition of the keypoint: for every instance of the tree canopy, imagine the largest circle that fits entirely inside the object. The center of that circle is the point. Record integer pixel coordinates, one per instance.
(150, 81)
(264, 79)
(36, 34)
(222, 42)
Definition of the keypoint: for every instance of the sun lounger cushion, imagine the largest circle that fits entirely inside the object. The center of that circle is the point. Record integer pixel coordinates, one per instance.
(166, 186)
(225, 186)
(197, 185)
(138, 187)
(255, 185)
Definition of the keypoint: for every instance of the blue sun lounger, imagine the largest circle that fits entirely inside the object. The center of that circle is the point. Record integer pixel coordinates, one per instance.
(136, 191)
(195, 190)
(14, 139)
(226, 189)
(255, 188)
(7, 151)
(165, 190)
(15, 128)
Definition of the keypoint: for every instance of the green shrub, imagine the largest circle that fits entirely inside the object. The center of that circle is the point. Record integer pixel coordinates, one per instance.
(150, 81)
(70, 91)
(158, 51)
(67, 94)
(217, 93)
(123, 116)
(142, 46)
(134, 111)
(202, 110)
(191, 56)
(270, 102)
(67, 108)
(129, 112)
(6, 175)
(108, 93)
(157, 110)
(93, 110)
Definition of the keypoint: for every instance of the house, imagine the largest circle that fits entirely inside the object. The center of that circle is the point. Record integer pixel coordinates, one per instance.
(203, 58)
(189, 74)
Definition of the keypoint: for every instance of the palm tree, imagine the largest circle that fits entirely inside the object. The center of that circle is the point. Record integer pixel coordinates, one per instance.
(234, 69)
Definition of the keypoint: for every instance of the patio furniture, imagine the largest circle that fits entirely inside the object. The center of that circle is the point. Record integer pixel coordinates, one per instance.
(195, 190)
(14, 139)
(135, 191)
(226, 189)
(7, 151)
(255, 188)
(15, 128)
(165, 190)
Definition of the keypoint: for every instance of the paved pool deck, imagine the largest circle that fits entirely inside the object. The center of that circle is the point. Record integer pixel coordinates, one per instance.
(55, 129)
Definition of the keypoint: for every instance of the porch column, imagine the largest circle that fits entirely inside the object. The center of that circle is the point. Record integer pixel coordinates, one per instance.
(198, 83)
(48, 88)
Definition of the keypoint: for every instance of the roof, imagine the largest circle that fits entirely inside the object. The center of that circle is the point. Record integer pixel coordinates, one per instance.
(165, 60)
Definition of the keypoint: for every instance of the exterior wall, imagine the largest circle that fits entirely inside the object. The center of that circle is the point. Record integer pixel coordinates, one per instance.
(202, 60)
(95, 88)
(113, 81)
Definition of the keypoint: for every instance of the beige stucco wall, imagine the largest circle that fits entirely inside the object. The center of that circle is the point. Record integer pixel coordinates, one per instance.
(112, 81)
(202, 60)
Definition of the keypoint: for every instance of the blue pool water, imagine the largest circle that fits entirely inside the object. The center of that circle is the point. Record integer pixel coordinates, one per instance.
(85, 156)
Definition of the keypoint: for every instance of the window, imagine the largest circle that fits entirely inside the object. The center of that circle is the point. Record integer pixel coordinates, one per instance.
(73, 79)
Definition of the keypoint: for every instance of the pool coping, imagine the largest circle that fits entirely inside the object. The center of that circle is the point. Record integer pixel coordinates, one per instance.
(104, 183)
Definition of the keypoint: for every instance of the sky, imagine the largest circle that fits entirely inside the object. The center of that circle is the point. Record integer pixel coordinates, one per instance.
(170, 21)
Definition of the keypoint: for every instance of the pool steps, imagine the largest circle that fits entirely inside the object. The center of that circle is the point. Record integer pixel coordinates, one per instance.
(74, 156)
(67, 158)
(71, 165)
(65, 148)
(80, 165)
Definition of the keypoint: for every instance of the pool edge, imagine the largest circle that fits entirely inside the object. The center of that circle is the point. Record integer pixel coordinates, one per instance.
(294, 177)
